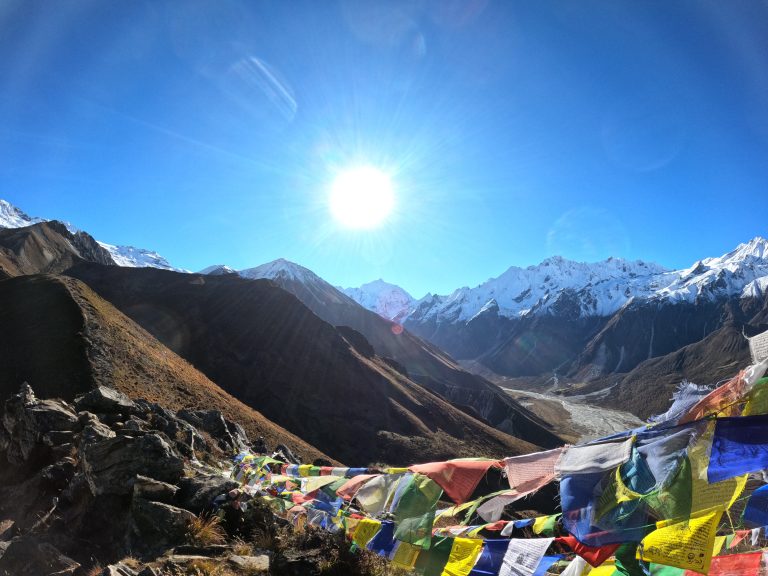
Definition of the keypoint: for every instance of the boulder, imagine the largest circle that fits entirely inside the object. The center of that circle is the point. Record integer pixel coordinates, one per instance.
(26, 420)
(197, 493)
(160, 525)
(153, 490)
(58, 475)
(250, 564)
(111, 466)
(95, 432)
(31, 557)
(105, 400)
(220, 430)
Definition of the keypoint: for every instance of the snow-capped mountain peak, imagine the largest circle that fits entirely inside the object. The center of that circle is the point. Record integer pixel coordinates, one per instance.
(13, 217)
(387, 300)
(281, 268)
(132, 257)
(585, 289)
(218, 270)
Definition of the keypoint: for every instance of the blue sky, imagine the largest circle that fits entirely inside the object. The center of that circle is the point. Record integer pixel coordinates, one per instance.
(210, 131)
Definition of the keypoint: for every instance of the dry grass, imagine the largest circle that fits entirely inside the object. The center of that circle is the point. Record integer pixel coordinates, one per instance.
(95, 570)
(206, 530)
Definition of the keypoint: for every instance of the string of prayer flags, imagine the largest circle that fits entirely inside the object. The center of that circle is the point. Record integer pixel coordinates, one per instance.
(740, 446)
(532, 471)
(591, 458)
(458, 478)
(462, 557)
(523, 556)
(687, 544)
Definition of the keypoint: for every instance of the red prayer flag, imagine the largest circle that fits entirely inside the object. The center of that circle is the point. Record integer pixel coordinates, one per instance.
(733, 565)
(595, 556)
(458, 478)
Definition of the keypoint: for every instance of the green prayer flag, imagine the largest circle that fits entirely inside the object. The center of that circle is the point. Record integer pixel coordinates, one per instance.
(415, 511)
(431, 562)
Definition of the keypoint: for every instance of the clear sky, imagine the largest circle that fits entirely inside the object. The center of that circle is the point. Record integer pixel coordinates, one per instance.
(211, 131)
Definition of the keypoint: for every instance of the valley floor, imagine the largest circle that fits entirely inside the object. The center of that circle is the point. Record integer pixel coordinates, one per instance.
(584, 421)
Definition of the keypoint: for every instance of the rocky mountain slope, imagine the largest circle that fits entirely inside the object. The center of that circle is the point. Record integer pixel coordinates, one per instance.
(62, 338)
(324, 384)
(105, 485)
(46, 247)
(13, 217)
(423, 362)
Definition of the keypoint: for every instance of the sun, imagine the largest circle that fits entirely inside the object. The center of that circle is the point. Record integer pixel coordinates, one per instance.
(361, 197)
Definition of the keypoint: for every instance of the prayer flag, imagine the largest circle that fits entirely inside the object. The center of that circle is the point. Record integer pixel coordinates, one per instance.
(687, 544)
(592, 458)
(523, 556)
(458, 478)
(489, 562)
(740, 446)
(462, 558)
(532, 471)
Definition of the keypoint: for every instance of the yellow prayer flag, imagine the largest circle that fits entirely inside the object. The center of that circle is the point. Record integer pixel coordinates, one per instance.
(687, 544)
(312, 483)
(607, 568)
(464, 554)
(718, 545)
(365, 530)
(544, 523)
(405, 555)
(304, 470)
(396, 470)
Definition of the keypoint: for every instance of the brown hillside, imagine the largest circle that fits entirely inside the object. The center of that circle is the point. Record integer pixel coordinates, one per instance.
(63, 339)
(647, 389)
(266, 348)
(46, 248)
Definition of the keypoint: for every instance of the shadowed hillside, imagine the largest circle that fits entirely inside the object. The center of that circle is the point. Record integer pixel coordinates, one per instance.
(266, 348)
(63, 339)
(424, 362)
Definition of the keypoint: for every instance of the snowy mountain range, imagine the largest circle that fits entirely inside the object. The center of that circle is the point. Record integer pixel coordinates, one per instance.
(13, 217)
(599, 289)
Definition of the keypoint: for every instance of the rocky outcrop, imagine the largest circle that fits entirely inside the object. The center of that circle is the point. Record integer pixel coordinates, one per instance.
(124, 476)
